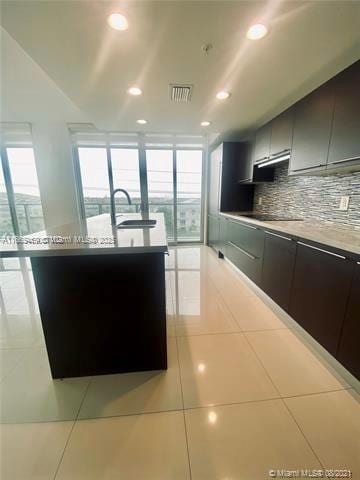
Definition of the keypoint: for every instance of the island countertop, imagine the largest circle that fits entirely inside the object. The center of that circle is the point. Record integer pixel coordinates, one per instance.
(92, 236)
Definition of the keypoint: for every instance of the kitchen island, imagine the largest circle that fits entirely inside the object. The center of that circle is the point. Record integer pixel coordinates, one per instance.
(101, 294)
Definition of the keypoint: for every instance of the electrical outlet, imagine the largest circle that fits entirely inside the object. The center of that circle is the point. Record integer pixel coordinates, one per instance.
(344, 203)
(260, 201)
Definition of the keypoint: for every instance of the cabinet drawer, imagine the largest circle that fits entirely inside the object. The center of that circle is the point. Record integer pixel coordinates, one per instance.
(246, 262)
(247, 237)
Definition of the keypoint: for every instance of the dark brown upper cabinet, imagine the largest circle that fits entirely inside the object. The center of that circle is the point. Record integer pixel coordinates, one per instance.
(226, 194)
(312, 129)
(262, 143)
(345, 137)
(281, 132)
(245, 166)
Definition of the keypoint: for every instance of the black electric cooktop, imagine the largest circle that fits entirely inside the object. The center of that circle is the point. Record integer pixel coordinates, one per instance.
(270, 218)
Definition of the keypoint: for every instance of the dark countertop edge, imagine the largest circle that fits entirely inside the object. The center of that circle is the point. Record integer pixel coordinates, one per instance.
(354, 253)
(82, 251)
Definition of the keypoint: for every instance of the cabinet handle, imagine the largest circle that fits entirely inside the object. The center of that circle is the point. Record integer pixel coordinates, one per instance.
(321, 250)
(243, 225)
(280, 236)
(249, 226)
(242, 251)
(245, 180)
(346, 160)
(358, 263)
(308, 168)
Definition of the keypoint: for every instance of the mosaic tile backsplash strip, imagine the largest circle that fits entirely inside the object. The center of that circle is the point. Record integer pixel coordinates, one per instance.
(311, 198)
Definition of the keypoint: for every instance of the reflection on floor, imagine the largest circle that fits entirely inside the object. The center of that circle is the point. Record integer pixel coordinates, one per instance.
(245, 393)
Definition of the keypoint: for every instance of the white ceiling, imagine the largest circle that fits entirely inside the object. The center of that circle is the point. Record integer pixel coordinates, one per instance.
(94, 65)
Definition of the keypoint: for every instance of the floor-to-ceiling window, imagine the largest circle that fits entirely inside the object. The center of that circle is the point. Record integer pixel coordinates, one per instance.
(164, 178)
(20, 204)
(189, 165)
(160, 181)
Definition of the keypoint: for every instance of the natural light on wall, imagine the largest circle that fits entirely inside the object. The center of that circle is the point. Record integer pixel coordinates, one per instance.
(20, 203)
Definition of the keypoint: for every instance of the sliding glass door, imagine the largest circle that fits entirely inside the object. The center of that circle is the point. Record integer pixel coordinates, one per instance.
(126, 175)
(189, 165)
(165, 180)
(160, 186)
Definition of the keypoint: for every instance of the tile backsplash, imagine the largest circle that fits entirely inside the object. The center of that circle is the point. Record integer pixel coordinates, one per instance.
(316, 197)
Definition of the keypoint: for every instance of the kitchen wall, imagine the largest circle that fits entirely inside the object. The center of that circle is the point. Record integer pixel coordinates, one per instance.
(313, 198)
(28, 94)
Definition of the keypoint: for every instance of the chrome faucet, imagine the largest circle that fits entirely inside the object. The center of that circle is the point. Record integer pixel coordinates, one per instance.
(112, 203)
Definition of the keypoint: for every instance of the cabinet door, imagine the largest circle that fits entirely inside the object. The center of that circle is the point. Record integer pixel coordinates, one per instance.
(214, 180)
(312, 126)
(278, 267)
(345, 137)
(245, 165)
(281, 132)
(223, 234)
(213, 231)
(262, 143)
(320, 292)
(349, 348)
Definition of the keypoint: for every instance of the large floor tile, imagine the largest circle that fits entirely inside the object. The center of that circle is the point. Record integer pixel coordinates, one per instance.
(139, 392)
(138, 447)
(331, 423)
(245, 441)
(9, 358)
(32, 451)
(20, 331)
(188, 257)
(29, 394)
(292, 366)
(218, 369)
(251, 313)
(207, 314)
(228, 283)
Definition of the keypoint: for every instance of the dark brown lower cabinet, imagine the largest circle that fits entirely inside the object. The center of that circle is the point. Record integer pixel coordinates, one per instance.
(213, 231)
(245, 247)
(223, 235)
(349, 347)
(321, 287)
(278, 268)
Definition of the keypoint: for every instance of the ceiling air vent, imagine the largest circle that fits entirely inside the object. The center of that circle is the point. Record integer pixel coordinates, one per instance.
(180, 93)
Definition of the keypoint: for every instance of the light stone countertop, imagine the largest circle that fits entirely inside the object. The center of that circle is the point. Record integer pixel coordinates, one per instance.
(347, 238)
(93, 236)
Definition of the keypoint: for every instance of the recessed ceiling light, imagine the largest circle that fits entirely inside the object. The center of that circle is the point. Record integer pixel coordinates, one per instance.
(141, 121)
(222, 95)
(135, 91)
(205, 124)
(118, 21)
(257, 31)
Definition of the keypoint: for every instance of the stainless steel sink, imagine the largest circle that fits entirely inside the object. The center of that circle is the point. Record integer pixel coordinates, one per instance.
(138, 223)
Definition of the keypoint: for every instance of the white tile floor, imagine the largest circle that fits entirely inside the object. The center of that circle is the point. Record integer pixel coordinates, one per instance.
(245, 392)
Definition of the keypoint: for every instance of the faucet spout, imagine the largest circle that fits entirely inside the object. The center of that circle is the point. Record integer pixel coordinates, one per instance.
(112, 203)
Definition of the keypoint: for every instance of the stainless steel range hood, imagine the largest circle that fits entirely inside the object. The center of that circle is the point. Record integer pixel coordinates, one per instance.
(282, 156)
